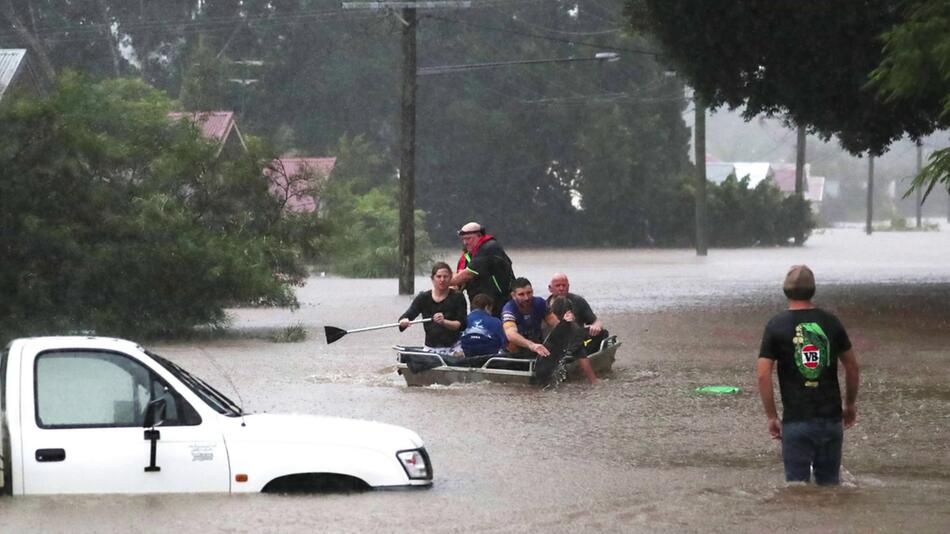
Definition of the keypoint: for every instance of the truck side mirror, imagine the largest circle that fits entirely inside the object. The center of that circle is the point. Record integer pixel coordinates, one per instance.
(155, 413)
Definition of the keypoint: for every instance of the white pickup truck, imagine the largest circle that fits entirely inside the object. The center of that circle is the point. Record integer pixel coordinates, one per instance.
(102, 415)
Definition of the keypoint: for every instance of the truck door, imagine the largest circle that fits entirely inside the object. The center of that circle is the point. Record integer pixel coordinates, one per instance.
(82, 430)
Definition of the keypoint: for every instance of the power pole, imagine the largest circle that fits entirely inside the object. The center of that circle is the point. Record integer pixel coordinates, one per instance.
(800, 180)
(920, 199)
(867, 227)
(407, 139)
(700, 148)
(407, 160)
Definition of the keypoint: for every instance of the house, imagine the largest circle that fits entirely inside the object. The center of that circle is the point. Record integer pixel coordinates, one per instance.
(785, 177)
(816, 189)
(782, 174)
(218, 126)
(17, 74)
(292, 180)
(717, 172)
(295, 180)
(757, 171)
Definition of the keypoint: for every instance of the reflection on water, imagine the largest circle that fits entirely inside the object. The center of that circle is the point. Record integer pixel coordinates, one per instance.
(639, 452)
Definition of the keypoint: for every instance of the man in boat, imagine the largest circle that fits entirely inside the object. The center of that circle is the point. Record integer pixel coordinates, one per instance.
(567, 337)
(808, 343)
(522, 317)
(560, 286)
(484, 267)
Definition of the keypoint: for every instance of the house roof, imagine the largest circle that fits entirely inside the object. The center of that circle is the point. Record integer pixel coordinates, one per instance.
(283, 185)
(757, 171)
(216, 125)
(11, 59)
(718, 172)
(785, 176)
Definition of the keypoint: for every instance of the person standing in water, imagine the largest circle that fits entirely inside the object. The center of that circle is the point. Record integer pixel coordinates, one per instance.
(807, 344)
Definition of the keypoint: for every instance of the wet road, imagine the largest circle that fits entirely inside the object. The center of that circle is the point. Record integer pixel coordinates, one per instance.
(640, 452)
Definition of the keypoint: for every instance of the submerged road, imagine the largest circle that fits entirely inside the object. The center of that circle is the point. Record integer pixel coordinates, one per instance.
(639, 452)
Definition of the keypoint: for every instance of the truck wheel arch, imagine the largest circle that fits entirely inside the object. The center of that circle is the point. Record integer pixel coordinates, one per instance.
(316, 483)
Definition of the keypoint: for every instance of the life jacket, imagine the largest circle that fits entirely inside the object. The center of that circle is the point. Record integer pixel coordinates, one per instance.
(501, 274)
(466, 257)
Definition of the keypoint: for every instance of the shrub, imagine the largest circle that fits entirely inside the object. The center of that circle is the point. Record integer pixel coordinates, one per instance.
(761, 216)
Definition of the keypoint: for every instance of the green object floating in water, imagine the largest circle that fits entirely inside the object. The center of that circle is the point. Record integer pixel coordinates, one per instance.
(718, 390)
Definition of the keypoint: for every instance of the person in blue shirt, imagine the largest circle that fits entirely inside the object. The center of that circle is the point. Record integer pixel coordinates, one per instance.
(484, 333)
(522, 317)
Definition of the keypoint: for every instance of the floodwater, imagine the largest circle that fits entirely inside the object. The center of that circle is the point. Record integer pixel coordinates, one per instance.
(639, 452)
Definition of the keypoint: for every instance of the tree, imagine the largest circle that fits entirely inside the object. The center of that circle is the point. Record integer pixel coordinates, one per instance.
(806, 61)
(916, 66)
(117, 220)
(362, 216)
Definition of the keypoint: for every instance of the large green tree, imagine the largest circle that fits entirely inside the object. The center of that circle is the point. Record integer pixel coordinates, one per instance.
(916, 67)
(809, 62)
(118, 220)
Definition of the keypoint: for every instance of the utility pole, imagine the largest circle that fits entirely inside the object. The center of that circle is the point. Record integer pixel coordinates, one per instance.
(920, 198)
(800, 180)
(699, 143)
(407, 140)
(407, 159)
(867, 226)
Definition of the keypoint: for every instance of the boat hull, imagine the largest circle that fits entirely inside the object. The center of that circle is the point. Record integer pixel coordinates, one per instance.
(499, 370)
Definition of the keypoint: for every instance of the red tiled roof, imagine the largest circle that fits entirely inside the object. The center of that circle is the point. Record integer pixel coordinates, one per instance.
(288, 168)
(213, 124)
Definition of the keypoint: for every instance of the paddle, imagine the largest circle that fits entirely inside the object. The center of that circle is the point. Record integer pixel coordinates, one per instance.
(333, 333)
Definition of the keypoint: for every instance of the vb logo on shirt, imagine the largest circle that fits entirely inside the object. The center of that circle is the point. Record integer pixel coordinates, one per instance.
(812, 350)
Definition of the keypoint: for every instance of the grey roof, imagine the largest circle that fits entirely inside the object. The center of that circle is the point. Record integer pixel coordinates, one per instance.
(11, 60)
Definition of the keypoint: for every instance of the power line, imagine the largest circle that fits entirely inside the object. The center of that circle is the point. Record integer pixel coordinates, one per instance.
(563, 32)
(93, 30)
(548, 38)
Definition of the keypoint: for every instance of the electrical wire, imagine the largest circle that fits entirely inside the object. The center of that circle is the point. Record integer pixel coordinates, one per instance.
(548, 38)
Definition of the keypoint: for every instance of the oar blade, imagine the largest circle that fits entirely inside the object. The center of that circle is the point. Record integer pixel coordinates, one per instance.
(333, 333)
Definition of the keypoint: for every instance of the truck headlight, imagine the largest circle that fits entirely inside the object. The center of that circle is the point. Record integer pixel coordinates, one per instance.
(416, 464)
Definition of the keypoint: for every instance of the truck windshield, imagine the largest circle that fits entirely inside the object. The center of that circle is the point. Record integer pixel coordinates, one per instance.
(212, 397)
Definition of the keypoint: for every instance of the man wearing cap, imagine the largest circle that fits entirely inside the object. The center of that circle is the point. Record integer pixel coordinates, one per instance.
(483, 268)
(560, 286)
(807, 344)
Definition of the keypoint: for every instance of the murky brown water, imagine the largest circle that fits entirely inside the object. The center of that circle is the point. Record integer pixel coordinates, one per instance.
(640, 452)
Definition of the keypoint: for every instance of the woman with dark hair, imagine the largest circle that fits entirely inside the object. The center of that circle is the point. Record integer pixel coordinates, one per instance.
(445, 306)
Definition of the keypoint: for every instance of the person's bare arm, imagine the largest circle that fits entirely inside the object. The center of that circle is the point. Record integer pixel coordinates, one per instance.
(849, 409)
(439, 318)
(764, 368)
(596, 327)
(461, 277)
(511, 331)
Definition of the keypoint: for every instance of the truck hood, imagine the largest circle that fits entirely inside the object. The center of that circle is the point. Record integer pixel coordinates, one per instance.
(315, 429)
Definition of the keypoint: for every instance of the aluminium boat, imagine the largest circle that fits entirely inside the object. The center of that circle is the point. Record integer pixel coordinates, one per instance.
(421, 367)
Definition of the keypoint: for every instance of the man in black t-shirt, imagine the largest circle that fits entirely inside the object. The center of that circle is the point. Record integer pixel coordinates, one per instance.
(560, 286)
(807, 344)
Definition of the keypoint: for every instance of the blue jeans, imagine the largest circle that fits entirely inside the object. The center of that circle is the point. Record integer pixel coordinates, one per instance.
(813, 444)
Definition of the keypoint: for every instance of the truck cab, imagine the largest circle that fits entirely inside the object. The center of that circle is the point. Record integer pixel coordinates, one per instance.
(103, 415)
